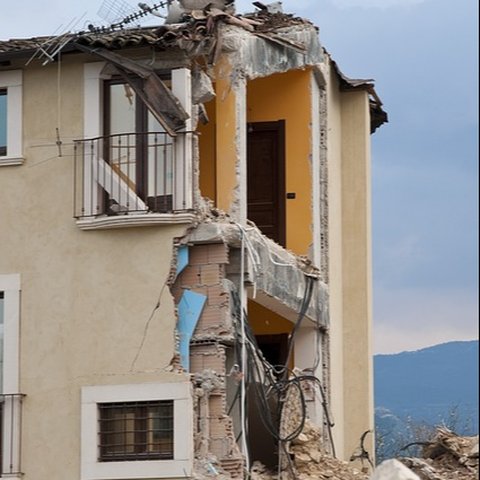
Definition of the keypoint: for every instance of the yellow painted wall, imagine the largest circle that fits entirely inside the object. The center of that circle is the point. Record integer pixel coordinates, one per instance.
(287, 97)
(265, 322)
(226, 136)
(207, 148)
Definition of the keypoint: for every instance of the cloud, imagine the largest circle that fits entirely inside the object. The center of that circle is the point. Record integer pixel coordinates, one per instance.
(403, 253)
(382, 4)
(409, 319)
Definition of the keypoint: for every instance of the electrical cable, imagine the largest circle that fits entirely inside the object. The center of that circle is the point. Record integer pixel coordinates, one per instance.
(243, 393)
(307, 297)
(269, 384)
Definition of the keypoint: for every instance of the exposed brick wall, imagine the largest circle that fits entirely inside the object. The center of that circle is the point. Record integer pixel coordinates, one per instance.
(205, 274)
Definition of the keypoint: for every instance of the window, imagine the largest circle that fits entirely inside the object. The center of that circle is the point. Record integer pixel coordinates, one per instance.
(10, 399)
(3, 122)
(139, 431)
(11, 117)
(127, 165)
(138, 150)
(1, 373)
(136, 431)
(2, 295)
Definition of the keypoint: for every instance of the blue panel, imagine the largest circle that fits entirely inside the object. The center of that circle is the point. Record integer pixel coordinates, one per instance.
(182, 258)
(189, 311)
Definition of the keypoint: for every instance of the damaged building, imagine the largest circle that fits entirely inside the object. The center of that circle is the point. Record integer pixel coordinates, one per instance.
(185, 277)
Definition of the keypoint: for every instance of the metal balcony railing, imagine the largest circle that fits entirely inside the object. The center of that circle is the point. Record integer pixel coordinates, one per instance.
(10, 434)
(131, 173)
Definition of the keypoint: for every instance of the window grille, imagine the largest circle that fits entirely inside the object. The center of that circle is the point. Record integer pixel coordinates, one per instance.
(136, 431)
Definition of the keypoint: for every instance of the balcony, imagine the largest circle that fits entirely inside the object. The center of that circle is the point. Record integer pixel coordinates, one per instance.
(10, 435)
(133, 179)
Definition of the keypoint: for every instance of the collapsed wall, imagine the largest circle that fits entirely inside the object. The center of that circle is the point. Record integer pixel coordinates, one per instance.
(207, 289)
(205, 274)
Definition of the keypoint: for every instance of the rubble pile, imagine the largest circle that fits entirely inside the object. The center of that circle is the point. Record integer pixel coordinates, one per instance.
(309, 461)
(447, 457)
(209, 468)
(312, 462)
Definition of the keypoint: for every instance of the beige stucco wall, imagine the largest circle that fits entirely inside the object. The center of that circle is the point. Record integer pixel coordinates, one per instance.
(86, 296)
(350, 266)
(357, 265)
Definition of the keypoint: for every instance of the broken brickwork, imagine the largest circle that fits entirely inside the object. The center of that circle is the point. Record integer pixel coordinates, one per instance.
(206, 274)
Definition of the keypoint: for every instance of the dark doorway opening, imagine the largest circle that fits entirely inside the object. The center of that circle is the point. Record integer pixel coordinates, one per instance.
(274, 348)
(263, 446)
(266, 178)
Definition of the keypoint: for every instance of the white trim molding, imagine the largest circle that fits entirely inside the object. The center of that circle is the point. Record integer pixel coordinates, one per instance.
(135, 220)
(12, 80)
(182, 464)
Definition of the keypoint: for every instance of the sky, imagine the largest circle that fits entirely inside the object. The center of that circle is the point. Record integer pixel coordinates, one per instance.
(423, 55)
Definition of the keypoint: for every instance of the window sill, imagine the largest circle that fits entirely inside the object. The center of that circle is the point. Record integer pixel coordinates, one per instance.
(10, 161)
(139, 470)
(105, 222)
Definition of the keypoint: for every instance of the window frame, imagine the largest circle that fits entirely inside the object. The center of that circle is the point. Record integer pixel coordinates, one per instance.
(92, 468)
(3, 148)
(12, 82)
(140, 427)
(141, 127)
(11, 431)
(94, 76)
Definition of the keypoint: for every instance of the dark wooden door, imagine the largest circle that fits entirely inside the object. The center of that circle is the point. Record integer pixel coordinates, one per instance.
(266, 178)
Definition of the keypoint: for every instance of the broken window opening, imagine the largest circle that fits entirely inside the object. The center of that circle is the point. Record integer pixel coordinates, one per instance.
(137, 148)
(132, 162)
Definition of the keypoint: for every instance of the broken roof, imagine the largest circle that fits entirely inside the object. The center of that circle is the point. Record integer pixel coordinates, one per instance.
(198, 35)
(201, 25)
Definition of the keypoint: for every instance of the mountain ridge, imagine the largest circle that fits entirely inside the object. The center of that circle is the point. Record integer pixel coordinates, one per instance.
(431, 384)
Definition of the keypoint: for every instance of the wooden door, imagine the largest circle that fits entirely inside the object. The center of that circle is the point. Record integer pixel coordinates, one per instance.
(266, 178)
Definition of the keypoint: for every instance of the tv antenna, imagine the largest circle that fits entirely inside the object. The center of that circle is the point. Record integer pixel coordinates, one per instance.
(120, 14)
(112, 11)
(53, 45)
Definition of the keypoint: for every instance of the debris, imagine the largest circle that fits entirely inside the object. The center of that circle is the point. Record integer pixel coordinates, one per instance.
(361, 453)
(312, 461)
(275, 7)
(393, 470)
(202, 88)
(175, 13)
(260, 472)
(447, 456)
(209, 467)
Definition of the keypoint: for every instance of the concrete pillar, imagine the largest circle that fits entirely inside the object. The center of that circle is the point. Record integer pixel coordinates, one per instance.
(231, 134)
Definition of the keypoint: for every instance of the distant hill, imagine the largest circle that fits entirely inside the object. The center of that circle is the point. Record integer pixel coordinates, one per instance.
(429, 385)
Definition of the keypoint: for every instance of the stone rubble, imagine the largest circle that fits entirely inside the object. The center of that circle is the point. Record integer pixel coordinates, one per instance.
(310, 461)
(447, 457)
